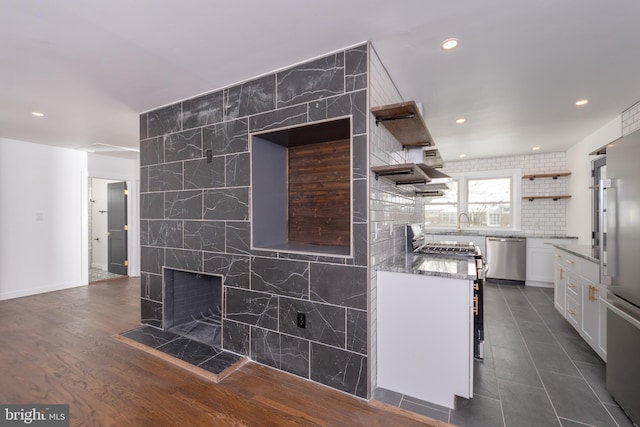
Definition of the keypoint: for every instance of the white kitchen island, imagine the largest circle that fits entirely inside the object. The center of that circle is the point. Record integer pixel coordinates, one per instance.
(425, 327)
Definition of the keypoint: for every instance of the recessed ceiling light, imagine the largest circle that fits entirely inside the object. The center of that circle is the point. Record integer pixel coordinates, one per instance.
(582, 102)
(462, 156)
(535, 148)
(449, 44)
(37, 114)
(460, 121)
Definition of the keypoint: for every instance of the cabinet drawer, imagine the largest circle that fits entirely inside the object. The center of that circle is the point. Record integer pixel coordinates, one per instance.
(568, 261)
(573, 312)
(590, 270)
(573, 287)
(571, 262)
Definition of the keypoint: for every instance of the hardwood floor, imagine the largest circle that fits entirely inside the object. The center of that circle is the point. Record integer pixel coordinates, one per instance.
(58, 348)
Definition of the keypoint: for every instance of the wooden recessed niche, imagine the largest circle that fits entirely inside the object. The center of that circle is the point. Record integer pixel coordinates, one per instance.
(301, 188)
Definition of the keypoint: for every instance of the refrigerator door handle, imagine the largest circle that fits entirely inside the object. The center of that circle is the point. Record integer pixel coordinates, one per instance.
(622, 309)
(604, 184)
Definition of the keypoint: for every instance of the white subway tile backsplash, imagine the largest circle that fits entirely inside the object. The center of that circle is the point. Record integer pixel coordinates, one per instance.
(538, 217)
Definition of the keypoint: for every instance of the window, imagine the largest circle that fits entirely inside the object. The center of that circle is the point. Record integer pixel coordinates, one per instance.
(490, 199)
(443, 211)
(488, 202)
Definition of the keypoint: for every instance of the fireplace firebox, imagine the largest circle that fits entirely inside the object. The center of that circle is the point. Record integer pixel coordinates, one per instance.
(193, 305)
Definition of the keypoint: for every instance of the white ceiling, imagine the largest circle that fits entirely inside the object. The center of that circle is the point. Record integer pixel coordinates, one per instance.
(92, 66)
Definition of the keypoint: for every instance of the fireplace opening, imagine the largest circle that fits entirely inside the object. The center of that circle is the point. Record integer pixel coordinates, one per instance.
(193, 306)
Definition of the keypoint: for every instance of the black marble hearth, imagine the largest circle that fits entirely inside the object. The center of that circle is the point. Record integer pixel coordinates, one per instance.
(208, 357)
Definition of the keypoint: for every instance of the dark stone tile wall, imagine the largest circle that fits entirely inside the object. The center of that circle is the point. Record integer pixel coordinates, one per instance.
(195, 215)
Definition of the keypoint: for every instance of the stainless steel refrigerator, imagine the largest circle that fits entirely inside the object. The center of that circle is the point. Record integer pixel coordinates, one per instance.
(620, 270)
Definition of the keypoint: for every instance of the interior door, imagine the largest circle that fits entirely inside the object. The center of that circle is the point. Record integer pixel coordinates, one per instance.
(117, 227)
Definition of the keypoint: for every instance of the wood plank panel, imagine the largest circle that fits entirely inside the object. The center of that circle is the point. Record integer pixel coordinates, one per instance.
(410, 132)
(319, 193)
(57, 348)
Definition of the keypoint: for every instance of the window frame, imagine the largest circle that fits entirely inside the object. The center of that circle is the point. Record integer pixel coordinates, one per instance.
(462, 205)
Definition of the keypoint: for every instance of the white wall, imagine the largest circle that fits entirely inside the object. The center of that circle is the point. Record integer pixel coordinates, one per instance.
(117, 169)
(42, 213)
(579, 163)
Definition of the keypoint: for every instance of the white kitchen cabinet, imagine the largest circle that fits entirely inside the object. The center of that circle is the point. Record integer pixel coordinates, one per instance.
(594, 321)
(590, 314)
(425, 336)
(576, 285)
(602, 323)
(540, 261)
(560, 284)
(574, 300)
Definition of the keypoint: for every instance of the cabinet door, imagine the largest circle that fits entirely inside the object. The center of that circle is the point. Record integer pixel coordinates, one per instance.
(560, 284)
(590, 313)
(601, 347)
(540, 257)
(540, 264)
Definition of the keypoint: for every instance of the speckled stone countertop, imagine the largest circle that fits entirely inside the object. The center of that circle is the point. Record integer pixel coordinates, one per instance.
(581, 251)
(497, 234)
(428, 265)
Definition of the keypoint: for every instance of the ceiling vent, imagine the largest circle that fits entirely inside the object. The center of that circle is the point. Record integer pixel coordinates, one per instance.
(431, 157)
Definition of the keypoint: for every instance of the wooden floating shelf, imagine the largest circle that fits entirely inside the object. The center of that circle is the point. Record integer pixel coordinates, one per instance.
(404, 174)
(554, 175)
(429, 193)
(532, 198)
(405, 123)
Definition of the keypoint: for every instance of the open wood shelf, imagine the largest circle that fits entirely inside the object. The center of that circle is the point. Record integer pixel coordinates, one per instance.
(554, 175)
(403, 174)
(532, 198)
(429, 193)
(405, 123)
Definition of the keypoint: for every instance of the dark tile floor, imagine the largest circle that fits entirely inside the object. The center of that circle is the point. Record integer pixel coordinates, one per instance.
(205, 356)
(537, 370)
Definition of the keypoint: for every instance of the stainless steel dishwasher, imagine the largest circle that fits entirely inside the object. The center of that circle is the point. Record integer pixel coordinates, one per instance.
(506, 258)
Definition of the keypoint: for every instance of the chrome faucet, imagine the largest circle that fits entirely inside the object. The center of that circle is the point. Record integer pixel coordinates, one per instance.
(460, 220)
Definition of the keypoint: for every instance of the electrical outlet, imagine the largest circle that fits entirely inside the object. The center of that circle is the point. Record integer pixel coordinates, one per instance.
(209, 156)
(302, 320)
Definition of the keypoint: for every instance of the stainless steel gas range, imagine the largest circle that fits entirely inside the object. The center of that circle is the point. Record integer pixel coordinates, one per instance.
(460, 250)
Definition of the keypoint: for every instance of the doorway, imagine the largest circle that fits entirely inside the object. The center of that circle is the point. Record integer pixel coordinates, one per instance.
(107, 229)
